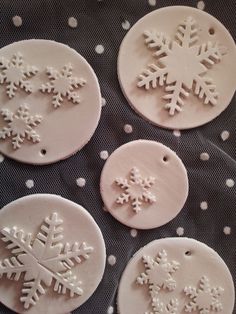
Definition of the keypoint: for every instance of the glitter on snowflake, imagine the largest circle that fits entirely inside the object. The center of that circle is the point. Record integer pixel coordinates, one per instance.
(15, 72)
(136, 190)
(181, 66)
(43, 261)
(20, 126)
(62, 84)
(204, 299)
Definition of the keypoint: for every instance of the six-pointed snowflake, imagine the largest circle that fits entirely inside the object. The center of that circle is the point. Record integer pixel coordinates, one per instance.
(181, 66)
(136, 190)
(204, 299)
(15, 72)
(62, 84)
(20, 126)
(43, 261)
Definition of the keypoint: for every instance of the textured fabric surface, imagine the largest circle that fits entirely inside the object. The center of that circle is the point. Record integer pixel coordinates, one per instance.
(105, 23)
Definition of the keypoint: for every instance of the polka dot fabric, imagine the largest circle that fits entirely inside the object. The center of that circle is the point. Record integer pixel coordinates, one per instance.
(95, 29)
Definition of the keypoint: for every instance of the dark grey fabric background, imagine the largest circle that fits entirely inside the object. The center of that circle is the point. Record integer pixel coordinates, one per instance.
(100, 22)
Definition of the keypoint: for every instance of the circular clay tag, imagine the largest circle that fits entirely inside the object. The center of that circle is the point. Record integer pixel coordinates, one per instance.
(50, 101)
(144, 184)
(52, 255)
(172, 67)
(176, 276)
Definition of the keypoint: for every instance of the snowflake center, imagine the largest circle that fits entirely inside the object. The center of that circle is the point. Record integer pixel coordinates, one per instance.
(135, 190)
(157, 275)
(203, 300)
(62, 85)
(18, 126)
(14, 75)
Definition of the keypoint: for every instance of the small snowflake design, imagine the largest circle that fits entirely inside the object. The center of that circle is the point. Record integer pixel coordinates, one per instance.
(43, 261)
(14, 73)
(20, 126)
(205, 299)
(136, 190)
(181, 66)
(62, 84)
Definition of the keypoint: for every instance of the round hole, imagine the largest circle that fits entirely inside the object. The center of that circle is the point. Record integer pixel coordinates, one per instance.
(43, 152)
(165, 158)
(188, 253)
(211, 31)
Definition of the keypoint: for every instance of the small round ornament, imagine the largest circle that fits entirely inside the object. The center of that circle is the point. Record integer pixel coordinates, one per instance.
(144, 184)
(172, 64)
(52, 255)
(176, 276)
(50, 101)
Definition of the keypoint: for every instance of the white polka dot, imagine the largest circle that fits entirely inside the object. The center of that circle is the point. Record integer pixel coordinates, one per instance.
(203, 205)
(230, 183)
(1, 158)
(110, 310)
(104, 102)
(128, 128)
(227, 230)
(152, 2)
(225, 135)
(111, 260)
(133, 233)
(201, 5)
(204, 156)
(99, 49)
(81, 182)
(104, 154)
(180, 231)
(17, 21)
(177, 133)
(29, 184)
(72, 22)
(126, 25)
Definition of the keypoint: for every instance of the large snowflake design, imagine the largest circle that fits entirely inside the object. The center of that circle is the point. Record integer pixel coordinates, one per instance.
(136, 190)
(44, 261)
(204, 299)
(15, 72)
(62, 84)
(20, 126)
(181, 66)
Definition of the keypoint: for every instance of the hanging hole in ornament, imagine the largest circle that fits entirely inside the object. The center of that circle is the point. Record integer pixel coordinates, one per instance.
(165, 158)
(43, 152)
(188, 253)
(211, 31)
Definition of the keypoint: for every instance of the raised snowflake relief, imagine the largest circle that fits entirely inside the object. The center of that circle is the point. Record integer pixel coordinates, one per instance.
(136, 190)
(20, 126)
(204, 299)
(158, 276)
(44, 261)
(14, 74)
(62, 85)
(181, 66)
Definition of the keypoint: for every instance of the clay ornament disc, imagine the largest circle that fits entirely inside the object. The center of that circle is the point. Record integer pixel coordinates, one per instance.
(144, 184)
(52, 255)
(176, 276)
(50, 101)
(172, 67)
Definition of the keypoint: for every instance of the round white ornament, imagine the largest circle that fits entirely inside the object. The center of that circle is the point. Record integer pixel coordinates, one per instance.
(50, 101)
(172, 64)
(176, 276)
(144, 184)
(52, 255)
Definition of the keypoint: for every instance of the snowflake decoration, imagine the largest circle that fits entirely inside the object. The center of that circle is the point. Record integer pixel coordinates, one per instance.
(43, 260)
(62, 84)
(136, 190)
(20, 126)
(181, 66)
(15, 73)
(204, 299)
(161, 308)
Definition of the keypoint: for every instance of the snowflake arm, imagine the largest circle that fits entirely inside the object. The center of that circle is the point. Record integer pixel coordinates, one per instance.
(123, 198)
(12, 268)
(4, 63)
(159, 41)
(26, 85)
(74, 97)
(31, 291)
(136, 204)
(135, 175)
(30, 70)
(5, 132)
(77, 82)
(209, 53)
(152, 76)
(123, 183)
(52, 73)
(11, 88)
(17, 241)
(187, 32)
(47, 88)
(205, 89)
(32, 135)
(57, 100)
(170, 308)
(67, 281)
